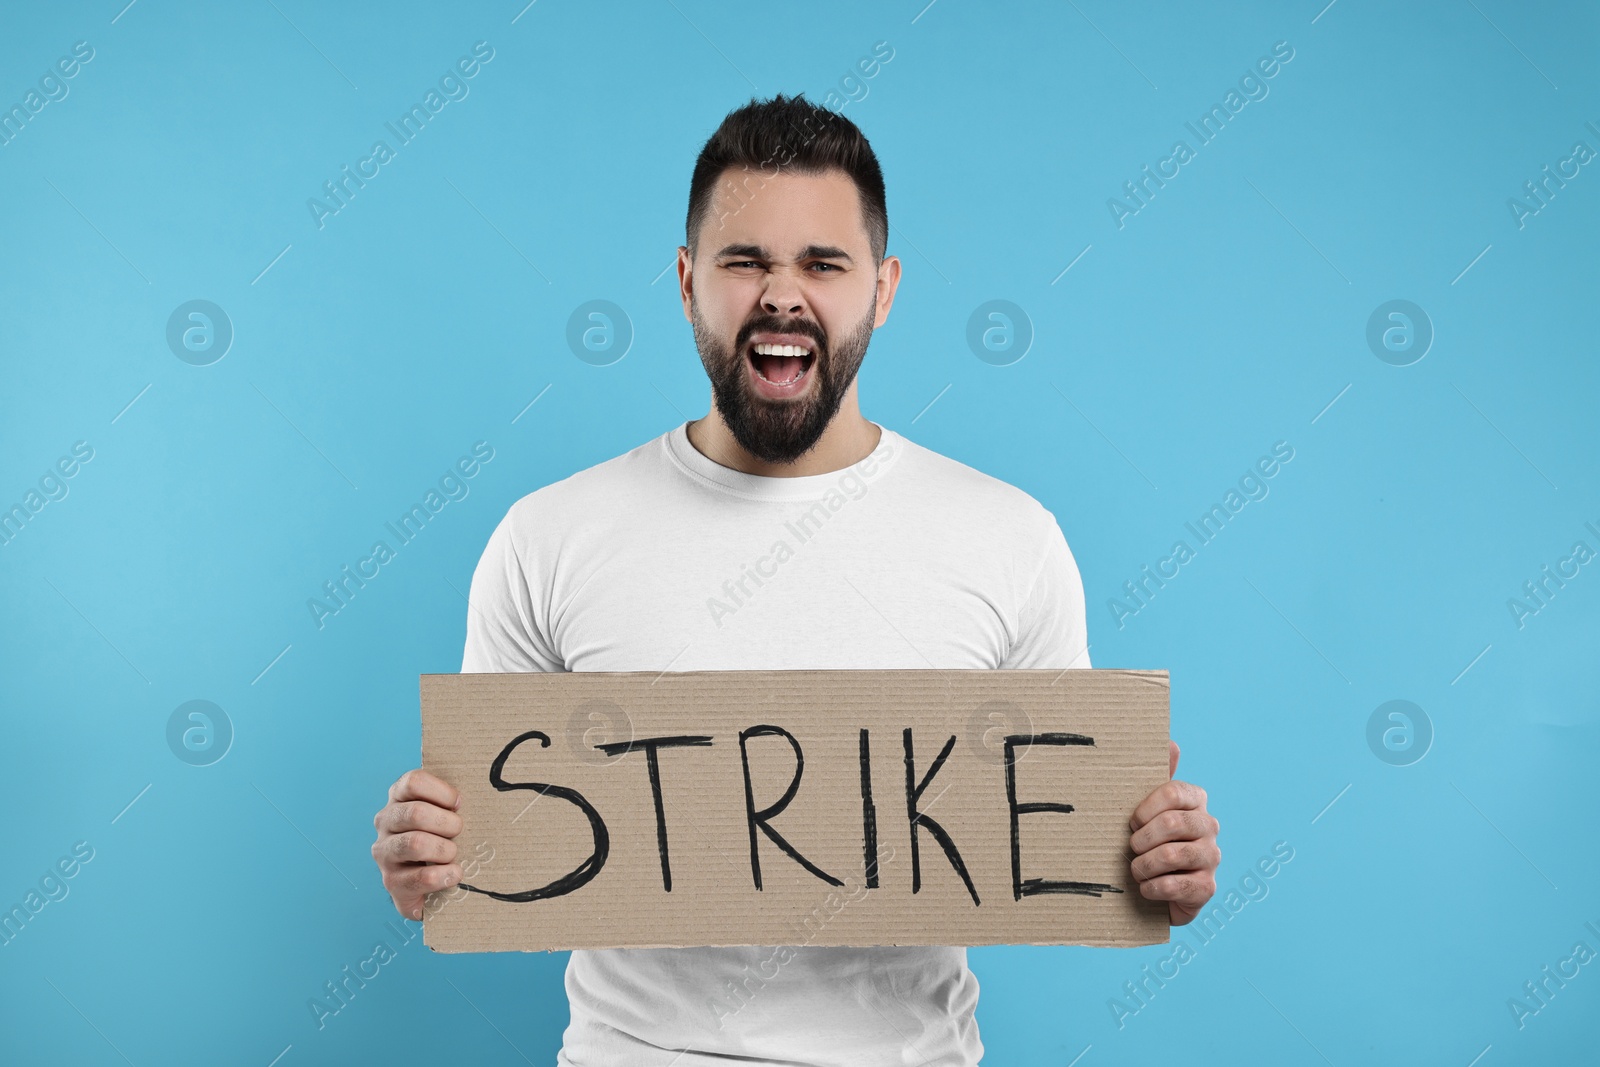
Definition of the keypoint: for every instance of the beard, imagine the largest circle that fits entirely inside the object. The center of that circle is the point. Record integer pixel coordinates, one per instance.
(780, 431)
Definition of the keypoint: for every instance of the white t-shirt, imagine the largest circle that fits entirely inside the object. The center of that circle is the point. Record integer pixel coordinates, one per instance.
(661, 559)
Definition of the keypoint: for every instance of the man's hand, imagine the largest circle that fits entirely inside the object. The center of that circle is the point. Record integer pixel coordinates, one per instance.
(414, 850)
(1175, 846)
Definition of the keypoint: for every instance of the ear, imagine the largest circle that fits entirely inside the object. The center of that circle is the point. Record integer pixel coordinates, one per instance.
(888, 283)
(685, 280)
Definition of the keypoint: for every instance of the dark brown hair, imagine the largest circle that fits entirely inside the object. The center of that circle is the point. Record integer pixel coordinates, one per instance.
(765, 137)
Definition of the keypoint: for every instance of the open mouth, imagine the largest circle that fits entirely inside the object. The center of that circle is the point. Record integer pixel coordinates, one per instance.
(781, 365)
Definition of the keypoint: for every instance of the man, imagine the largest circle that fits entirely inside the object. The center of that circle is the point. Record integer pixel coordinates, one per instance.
(781, 531)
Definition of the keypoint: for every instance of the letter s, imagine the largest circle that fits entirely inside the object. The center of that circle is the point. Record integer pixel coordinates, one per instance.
(84, 851)
(83, 50)
(1283, 450)
(483, 450)
(1284, 851)
(83, 450)
(483, 50)
(1283, 50)
(883, 50)
(585, 871)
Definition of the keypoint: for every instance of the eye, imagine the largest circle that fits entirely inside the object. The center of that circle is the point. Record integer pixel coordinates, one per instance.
(744, 263)
(830, 266)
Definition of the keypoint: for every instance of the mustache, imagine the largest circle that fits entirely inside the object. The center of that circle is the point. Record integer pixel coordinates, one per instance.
(773, 324)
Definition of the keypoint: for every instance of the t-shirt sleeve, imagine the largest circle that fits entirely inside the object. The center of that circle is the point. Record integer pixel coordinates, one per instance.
(504, 634)
(1052, 628)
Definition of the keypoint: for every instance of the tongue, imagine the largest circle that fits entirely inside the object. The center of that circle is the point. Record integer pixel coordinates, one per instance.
(780, 369)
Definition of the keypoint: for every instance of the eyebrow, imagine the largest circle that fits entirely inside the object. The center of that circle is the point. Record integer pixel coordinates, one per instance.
(808, 252)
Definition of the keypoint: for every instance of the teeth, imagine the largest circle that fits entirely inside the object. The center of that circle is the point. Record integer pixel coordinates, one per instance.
(782, 350)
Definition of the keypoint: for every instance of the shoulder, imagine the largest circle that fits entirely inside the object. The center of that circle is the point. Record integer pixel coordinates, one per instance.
(961, 486)
(597, 492)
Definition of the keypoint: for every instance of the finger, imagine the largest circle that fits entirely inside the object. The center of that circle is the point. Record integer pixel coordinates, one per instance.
(413, 846)
(418, 815)
(1195, 857)
(1172, 753)
(418, 784)
(410, 886)
(1173, 794)
(1175, 824)
(1187, 888)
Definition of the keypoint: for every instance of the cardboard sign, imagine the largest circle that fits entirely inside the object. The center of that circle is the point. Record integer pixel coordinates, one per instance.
(902, 807)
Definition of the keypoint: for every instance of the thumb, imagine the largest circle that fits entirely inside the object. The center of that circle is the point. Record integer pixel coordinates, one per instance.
(1172, 752)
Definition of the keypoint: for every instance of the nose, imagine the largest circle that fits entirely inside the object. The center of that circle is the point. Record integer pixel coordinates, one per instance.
(782, 295)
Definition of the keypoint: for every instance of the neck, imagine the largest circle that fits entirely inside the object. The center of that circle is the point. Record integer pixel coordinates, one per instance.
(848, 439)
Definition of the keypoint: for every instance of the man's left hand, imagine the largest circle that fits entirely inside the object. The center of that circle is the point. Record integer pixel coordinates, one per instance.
(1175, 846)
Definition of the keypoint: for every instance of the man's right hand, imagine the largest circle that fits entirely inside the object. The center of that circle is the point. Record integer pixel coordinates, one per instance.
(414, 849)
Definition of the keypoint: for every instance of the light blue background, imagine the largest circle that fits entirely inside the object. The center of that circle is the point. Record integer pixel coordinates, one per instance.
(1223, 317)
